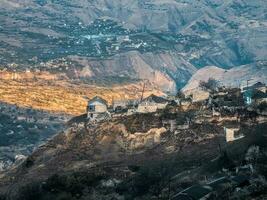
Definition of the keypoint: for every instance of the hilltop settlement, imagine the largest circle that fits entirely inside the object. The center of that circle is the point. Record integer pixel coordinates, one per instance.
(208, 144)
(208, 97)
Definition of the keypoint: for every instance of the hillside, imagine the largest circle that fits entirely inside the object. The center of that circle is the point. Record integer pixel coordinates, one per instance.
(51, 93)
(57, 54)
(23, 129)
(235, 77)
(124, 158)
(132, 39)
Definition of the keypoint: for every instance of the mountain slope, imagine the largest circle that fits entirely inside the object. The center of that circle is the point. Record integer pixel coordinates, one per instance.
(115, 145)
(118, 150)
(234, 77)
(36, 34)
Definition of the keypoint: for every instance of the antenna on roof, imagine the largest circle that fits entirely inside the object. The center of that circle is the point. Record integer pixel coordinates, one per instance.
(143, 91)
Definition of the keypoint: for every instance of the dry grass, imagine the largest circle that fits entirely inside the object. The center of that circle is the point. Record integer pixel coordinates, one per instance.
(61, 95)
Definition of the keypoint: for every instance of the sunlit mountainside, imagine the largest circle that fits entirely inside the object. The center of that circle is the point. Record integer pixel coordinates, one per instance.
(54, 94)
(133, 99)
(131, 40)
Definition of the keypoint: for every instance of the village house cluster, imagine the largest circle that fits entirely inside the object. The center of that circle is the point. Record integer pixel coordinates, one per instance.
(253, 94)
(98, 108)
(217, 102)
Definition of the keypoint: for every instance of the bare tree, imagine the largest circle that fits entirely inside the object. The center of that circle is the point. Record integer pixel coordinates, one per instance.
(210, 85)
(180, 94)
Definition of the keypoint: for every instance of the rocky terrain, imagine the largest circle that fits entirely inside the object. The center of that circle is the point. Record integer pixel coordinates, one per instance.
(133, 39)
(54, 55)
(132, 157)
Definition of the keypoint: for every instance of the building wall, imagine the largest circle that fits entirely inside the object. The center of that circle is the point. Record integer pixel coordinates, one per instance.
(121, 104)
(259, 101)
(99, 107)
(148, 107)
(230, 134)
(200, 96)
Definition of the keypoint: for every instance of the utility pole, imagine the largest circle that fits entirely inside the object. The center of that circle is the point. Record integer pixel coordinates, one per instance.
(112, 103)
(143, 91)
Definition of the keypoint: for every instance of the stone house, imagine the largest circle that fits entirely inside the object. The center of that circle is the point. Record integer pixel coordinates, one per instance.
(119, 105)
(257, 86)
(197, 95)
(259, 97)
(232, 133)
(124, 105)
(255, 93)
(254, 97)
(228, 97)
(97, 109)
(200, 95)
(152, 104)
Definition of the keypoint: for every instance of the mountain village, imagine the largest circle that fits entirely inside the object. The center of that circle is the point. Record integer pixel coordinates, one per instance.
(133, 100)
(229, 108)
(213, 104)
(217, 133)
(172, 121)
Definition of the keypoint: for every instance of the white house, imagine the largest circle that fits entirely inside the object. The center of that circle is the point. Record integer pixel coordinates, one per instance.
(152, 104)
(232, 133)
(97, 109)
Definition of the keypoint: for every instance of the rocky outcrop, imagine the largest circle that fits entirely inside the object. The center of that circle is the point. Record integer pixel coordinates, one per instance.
(137, 141)
(148, 139)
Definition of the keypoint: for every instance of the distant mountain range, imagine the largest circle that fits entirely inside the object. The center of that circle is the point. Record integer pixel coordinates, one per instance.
(138, 39)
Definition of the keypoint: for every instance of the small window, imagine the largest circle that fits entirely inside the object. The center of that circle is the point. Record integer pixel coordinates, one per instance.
(91, 108)
(91, 115)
